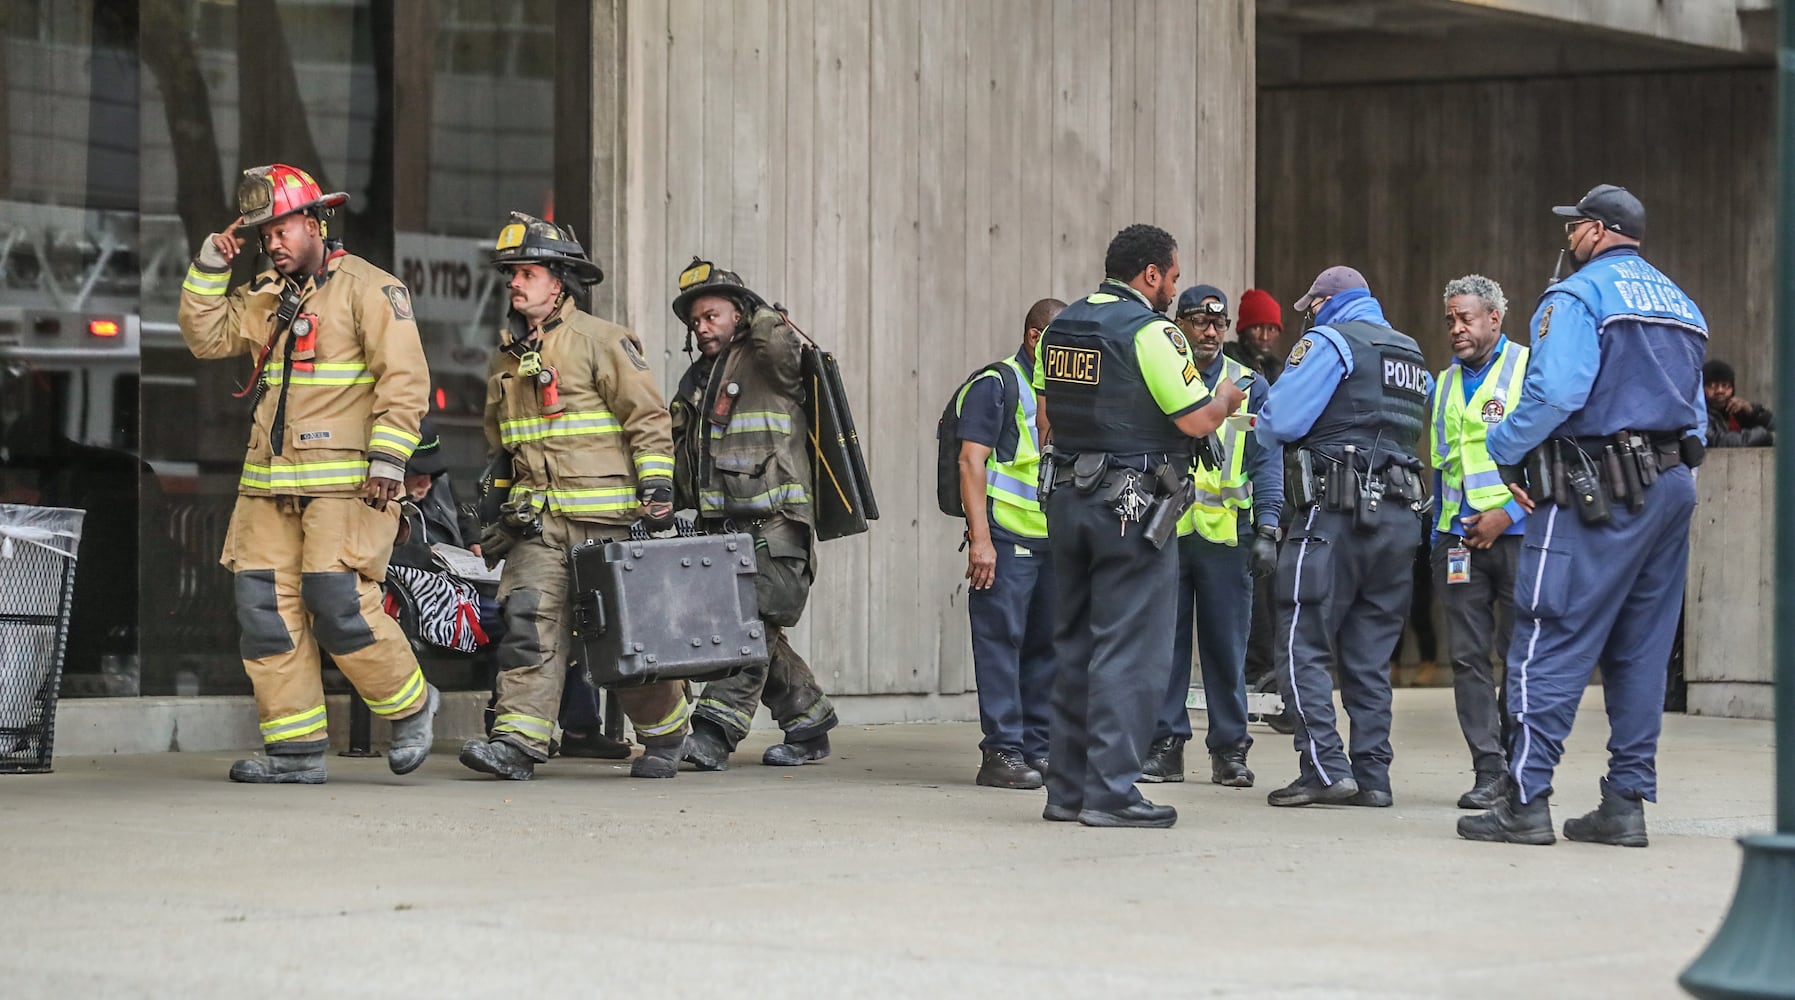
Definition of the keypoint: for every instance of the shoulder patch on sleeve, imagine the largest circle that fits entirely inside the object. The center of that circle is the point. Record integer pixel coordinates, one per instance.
(635, 353)
(400, 300)
(1190, 371)
(1179, 344)
(1545, 322)
(1300, 351)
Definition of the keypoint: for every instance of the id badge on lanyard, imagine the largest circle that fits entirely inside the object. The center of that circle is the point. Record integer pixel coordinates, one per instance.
(1458, 564)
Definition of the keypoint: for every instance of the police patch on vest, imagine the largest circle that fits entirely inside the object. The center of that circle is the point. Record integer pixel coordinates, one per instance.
(1492, 411)
(635, 354)
(1404, 376)
(1298, 352)
(1545, 323)
(1077, 365)
(1179, 344)
(314, 435)
(400, 300)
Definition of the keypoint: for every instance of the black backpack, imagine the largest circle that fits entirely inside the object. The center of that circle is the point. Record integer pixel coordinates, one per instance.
(947, 437)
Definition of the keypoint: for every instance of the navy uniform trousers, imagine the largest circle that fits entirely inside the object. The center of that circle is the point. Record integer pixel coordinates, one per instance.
(1587, 593)
(1012, 650)
(1342, 597)
(1215, 594)
(1113, 643)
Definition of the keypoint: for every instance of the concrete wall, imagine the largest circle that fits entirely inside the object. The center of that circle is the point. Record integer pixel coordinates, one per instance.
(908, 176)
(1730, 610)
(1419, 183)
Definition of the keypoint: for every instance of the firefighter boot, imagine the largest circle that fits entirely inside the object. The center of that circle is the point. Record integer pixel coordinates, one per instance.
(1618, 821)
(796, 752)
(659, 761)
(281, 769)
(706, 747)
(412, 735)
(498, 758)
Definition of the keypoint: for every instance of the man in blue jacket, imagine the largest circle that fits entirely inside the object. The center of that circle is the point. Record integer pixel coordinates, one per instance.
(1348, 413)
(1610, 427)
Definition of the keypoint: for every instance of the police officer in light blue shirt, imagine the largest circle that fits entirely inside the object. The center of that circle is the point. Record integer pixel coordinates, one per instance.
(1348, 414)
(1601, 452)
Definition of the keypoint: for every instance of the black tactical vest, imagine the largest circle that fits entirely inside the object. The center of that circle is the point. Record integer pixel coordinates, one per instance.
(1382, 403)
(1097, 399)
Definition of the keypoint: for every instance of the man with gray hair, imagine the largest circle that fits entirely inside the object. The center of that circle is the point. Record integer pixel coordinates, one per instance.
(1478, 524)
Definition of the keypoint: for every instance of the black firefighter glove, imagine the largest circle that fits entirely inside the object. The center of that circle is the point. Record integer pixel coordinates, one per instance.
(657, 503)
(1265, 553)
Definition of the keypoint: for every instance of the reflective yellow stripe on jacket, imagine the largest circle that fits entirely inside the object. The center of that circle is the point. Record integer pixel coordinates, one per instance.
(573, 423)
(276, 478)
(326, 373)
(1223, 492)
(1460, 427)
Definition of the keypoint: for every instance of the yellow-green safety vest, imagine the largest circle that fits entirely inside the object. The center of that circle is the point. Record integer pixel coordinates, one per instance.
(1015, 505)
(1222, 492)
(1467, 473)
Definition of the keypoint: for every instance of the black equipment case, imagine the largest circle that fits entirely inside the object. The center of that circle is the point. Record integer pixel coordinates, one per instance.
(662, 609)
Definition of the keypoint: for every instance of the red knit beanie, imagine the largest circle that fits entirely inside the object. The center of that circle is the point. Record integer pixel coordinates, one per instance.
(1257, 307)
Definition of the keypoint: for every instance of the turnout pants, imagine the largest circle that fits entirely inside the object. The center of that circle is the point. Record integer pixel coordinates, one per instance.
(533, 656)
(1012, 650)
(1215, 596)
(785, 684)
(307, 574)
(1586, 593)
(1342, 599)
(1479, 620)
(1114, 645)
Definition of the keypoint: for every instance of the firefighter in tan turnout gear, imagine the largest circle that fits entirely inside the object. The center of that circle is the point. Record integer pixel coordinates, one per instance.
(571, 399)
(339, 388)
(743, 465)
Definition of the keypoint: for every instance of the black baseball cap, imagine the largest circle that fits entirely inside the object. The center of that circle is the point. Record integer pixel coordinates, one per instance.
(1191, 300)
(427, 458)
(1611, 205)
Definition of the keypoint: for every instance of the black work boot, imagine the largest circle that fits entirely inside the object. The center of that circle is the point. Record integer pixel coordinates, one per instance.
(1486, 791)
(1512, 822)
(1165, 761)
(1143, 815)
(707, 747)
(1228, 766)
(499, 759)
(795, 752)
(281, 769)
(1305, 791)
(593, 745)
(1005, 769)
(413, 734)
(660, 761)
(1039, 764)
(1619, 821)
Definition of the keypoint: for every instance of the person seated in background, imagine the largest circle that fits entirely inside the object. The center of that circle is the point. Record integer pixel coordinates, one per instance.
(1733, 422)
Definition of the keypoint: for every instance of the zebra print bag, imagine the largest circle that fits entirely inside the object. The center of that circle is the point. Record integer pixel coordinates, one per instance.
(435, 607)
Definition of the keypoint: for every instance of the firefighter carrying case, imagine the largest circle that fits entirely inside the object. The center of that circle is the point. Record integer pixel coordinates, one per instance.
(658, 609)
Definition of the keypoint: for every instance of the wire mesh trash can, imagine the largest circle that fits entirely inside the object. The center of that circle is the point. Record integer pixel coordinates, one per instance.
(37, 585)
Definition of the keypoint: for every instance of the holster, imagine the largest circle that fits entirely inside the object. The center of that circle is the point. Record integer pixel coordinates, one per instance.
(1088, 470)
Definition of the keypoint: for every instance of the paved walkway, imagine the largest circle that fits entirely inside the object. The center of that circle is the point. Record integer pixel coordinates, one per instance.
(883, 872)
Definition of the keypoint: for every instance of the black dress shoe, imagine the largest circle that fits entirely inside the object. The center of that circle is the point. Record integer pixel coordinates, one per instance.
(1303, 792)
(1485, 792)
(1512, 822)
(1165, 761)
(1619, 822)
(1228, 767)
(1142, 814)
(594, 745)
(1005, 769)
(1373, 798)
(1060, 814)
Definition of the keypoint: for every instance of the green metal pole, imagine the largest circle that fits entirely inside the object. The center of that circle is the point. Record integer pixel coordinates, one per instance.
(1753, 953)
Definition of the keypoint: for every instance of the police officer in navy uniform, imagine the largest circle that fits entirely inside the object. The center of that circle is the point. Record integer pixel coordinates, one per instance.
(1601, 455)
(1122, 399)
(1348, 413)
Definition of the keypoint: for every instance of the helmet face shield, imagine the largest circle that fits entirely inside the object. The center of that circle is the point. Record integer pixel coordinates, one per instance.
(267, 193)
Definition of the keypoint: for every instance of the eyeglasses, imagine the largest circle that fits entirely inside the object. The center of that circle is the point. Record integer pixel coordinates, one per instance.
(1571, 226)
(1211, 320)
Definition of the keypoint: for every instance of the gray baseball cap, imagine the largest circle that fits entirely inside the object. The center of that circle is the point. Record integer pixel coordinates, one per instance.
(1611, 205)
(1329, 283)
